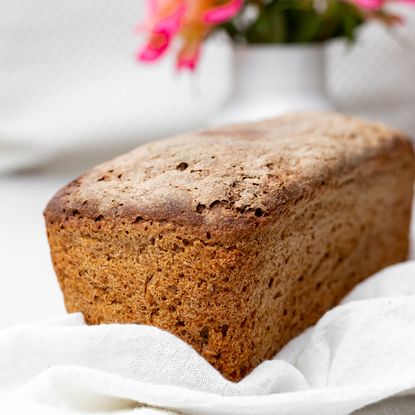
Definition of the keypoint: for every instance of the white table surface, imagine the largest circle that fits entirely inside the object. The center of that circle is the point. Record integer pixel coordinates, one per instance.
(29, 290)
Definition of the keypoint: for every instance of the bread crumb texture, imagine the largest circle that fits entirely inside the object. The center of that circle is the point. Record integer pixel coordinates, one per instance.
(234, 239)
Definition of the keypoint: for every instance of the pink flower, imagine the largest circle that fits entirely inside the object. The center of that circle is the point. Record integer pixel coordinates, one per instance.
(370, 4)
(192, 20)
(188, 62)
(162, 32)
(375, 5)
(223, 13)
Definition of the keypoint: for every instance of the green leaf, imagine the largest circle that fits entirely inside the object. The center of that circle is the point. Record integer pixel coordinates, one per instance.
(297, 21)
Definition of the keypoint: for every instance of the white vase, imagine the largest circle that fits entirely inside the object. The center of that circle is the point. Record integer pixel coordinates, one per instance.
(273, 79)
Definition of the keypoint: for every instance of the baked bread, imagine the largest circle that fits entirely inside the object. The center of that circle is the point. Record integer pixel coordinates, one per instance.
(234, 239)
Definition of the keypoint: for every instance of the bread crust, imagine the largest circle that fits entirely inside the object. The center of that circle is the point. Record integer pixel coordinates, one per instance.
(234, 239)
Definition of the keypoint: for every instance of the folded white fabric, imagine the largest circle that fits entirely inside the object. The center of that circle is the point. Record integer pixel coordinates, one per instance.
(360, 352)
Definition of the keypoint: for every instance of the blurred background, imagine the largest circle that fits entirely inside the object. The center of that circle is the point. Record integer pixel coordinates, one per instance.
(72, 94)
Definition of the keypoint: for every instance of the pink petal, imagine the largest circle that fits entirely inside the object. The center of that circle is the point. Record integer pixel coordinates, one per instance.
(411, 2)
(183, 65)
(150, 53)
(163, 32)
(170, 24)
(223, 13)
(155, 6)
(155, 48)
(369, 4)
(187, 63)
(188, 57)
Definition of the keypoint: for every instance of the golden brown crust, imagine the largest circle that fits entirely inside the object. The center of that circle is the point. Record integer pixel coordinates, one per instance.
(186, 249)
(230, 179)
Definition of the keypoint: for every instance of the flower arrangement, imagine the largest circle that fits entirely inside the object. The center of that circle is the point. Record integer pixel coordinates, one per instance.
(192, 20)
(254, 21)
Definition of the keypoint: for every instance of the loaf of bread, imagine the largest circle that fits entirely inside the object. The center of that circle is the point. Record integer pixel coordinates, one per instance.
(234, 239)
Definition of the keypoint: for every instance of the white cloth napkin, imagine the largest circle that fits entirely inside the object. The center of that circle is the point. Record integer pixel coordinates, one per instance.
(360, 352)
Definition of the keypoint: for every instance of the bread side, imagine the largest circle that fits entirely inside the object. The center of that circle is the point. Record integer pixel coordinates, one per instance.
(238, 260)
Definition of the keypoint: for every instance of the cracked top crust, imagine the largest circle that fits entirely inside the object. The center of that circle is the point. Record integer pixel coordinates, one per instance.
(227, 178)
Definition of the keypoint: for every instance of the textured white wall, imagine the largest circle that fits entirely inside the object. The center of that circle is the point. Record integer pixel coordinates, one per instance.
(69, 83)
(69, 79)
(375, 78)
